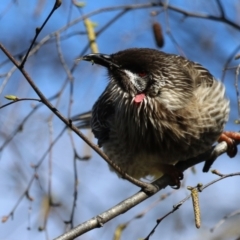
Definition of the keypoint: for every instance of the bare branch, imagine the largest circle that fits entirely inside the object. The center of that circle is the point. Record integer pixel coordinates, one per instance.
(57, 4)
(19, 100)
(221, 8)
(132, 201)
(198, 188)
(237, 212)
(148, 187)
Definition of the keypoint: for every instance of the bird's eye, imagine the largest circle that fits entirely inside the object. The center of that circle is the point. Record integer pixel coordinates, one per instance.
(142, 74)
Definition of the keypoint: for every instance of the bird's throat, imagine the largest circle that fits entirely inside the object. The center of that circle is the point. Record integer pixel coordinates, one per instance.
(139, 97)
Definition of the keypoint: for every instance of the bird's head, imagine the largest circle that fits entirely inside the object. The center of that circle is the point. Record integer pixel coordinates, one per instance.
(141, 73)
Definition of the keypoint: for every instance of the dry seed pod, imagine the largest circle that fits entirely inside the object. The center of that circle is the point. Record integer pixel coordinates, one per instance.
(157, 31)
(196, 207)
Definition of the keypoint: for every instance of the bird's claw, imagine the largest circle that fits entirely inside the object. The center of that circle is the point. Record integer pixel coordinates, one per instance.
(231, 138)
(175, 175)
(176, 178)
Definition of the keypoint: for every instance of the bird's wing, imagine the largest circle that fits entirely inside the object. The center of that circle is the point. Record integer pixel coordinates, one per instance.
(203, 76)
(103, 111)
(192, 70)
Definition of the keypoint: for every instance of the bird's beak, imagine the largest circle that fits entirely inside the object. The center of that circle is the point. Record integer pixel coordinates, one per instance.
(100, 59)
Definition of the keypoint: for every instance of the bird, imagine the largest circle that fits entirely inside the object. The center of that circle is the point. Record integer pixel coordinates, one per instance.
(158, 109)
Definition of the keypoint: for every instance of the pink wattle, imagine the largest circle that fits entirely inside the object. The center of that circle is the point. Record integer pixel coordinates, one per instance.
(139, 97)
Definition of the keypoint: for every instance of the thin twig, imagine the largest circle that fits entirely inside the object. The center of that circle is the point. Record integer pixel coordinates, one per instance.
(221, 8)
(34, 176)
(101, 219)
(57, 4)
(148, 187)
(178, 205)
(19, 100)
(75, 191)
(229, 59)
(237, 212)
(237, 90)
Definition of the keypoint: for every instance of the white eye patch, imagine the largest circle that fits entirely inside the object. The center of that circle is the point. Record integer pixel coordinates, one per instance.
(136, 81)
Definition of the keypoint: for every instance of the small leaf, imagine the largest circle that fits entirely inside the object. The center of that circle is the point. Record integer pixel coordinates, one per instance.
(79, 4)
(119, 230)
(237, 121)
(11, 97)
(4, 219)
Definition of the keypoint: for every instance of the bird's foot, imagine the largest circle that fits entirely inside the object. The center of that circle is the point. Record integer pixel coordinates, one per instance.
(231, 138)
(175, 175)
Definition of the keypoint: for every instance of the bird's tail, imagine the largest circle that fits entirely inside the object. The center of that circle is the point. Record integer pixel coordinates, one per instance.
(83, 120)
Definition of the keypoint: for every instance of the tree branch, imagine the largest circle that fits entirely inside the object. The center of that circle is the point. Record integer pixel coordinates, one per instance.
(122, 207)
(146, 186)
